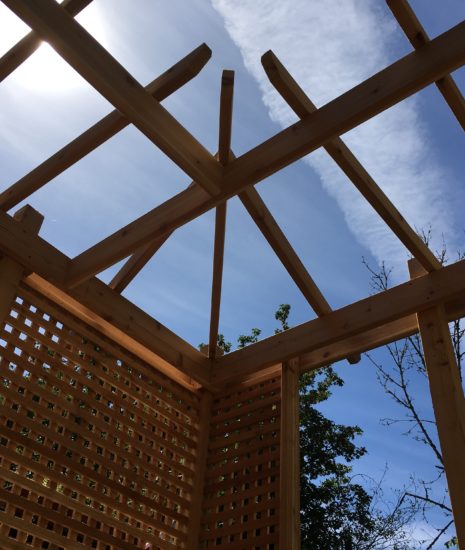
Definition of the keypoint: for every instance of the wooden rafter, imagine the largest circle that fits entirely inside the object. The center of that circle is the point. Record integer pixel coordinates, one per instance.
(224, 148)
(101, 307)
(160, 88)
(346, 160)
(388, 87)
(283, 249)
(119, 87)
(135, 263)
(14, 57)
(348, 322)
(276, 238)
(418, 37)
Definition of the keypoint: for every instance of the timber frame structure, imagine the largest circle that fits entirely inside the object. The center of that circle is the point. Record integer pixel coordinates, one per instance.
(116, 433)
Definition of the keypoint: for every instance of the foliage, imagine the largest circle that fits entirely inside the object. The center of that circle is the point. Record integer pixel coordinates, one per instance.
(244, 339)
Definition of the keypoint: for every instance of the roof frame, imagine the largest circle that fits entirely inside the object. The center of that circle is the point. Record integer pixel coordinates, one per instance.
(301, 104)
(386, 88)
(164, 85)
(119, 87)
(336, 334)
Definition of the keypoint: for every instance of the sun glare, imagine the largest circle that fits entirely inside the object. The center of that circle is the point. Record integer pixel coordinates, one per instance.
(45, 70)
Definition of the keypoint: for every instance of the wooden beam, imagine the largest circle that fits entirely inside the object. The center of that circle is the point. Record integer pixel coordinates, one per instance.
(109, 78)
(14, 57)
(160, 88)
(448, 403)
(136, 263)
(400, 80)
(300, 103)
(142, 256)
(362, 342)
(225, 123)
(130, 327)
(358, 318)
(283, 249)
(11, 272)
(103, 308)
(289, 462)
(218, 255)
(196, 510)
(418, 38)
(395, 83)
(224, 148)
(278, 241)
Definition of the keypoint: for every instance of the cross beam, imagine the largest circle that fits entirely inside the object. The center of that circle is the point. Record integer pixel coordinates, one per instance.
(301, 104)
(118, 86)
(354, 321)
(386, 88)
(101, 307)
(171, 80)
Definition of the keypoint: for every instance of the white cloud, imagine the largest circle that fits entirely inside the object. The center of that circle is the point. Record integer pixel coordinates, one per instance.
(329, 46)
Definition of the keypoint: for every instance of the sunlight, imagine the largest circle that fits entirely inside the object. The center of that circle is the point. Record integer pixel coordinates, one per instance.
(45, 70)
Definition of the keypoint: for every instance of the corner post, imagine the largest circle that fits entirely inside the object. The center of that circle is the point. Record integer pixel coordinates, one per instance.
(289, 513)
(196, 510)
(448, 401)
(12, 272)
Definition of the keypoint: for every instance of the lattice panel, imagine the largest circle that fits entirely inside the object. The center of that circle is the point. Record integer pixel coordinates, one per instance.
(241, 502)
(97, 449)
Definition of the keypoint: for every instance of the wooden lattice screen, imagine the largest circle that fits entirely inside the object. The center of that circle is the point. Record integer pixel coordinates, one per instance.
(241, 506)
(97, 449)
(100, 450)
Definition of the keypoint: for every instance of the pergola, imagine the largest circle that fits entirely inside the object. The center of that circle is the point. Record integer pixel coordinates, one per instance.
(115, 432)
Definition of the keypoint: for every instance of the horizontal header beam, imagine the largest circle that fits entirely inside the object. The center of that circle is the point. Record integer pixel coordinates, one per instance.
(356, 319)
(102, 306)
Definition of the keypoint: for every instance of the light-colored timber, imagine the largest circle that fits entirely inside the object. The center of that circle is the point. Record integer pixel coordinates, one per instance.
(15, 56)
(265, 221)
(346, 160)
(395, 83)
(195, 516)
(101, 70)
(11, 272)
(115, 432)
(448, 402)
(289, 534)
(224, 149)
(357, 318)
(160, 88)
(99, 304)
(418, 37)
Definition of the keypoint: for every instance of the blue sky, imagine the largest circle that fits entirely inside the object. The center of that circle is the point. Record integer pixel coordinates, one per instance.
(414, 151)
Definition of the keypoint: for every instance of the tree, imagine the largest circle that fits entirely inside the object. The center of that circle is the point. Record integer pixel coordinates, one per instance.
(336, 511)
(401, 378)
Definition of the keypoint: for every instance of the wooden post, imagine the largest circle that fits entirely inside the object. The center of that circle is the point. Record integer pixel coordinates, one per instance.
(448, 402)
(289, 518)
(11, 272)
(196, 511)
